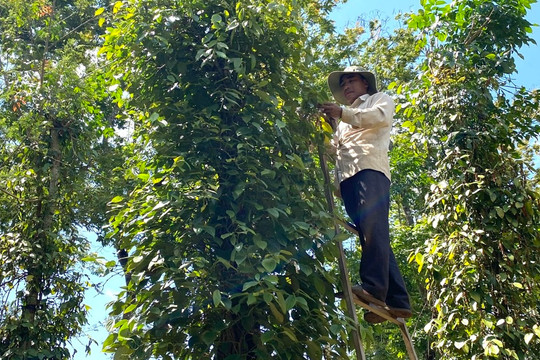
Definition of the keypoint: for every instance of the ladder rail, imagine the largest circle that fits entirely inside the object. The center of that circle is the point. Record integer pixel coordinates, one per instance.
(349, 300)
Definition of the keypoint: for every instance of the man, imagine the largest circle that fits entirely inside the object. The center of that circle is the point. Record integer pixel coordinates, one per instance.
(361, 140)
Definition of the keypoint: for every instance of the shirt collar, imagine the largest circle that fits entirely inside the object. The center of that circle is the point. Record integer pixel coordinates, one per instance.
(359, 100)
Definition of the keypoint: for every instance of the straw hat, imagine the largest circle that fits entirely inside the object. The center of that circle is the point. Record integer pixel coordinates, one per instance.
(334, 80)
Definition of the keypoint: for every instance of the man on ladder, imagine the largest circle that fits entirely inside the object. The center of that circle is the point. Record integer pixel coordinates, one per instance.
(361, 140)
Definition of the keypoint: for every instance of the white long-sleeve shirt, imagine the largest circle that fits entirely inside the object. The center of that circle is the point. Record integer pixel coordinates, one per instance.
(362, 136)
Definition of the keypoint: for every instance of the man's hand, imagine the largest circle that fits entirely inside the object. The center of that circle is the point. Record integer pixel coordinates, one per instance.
(331, 110)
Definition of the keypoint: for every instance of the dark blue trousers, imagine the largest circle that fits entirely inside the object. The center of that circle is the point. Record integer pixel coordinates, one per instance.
(366, 196)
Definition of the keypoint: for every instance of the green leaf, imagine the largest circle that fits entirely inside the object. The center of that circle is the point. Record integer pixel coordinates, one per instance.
(290, 334)
(209, 229)
(476, 296)
(267, 336)
(116, 199)
(279, 316)
(130, 308)
(314, 350)
(491, 349)
(249, 285)
(153, 117)
(290, 302)
(536, 330)
(252, 299)
(269, 264)
(274, 212)
(267, 297)
(109, 341)
(124, 334)
(122, 353)
(216, 296)
(319, 285)
(216, 18)
(441, 36)
(300, 300)
(517, 285)
(419, 258)
(269, 173)
(209, 336)
(281, 302)
(117, 6)
(144, 177)
(342, 236)
(221, 54)
(261, 244)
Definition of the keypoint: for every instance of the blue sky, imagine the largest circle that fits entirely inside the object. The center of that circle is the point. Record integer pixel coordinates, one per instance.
(97, 315)
(346, 14)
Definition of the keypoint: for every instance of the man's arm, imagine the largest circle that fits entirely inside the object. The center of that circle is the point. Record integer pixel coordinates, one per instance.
(379, 114)
(332, 111)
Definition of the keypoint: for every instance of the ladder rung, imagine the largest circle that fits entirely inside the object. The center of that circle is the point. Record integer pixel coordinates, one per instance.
(398, 321)
(377, 310)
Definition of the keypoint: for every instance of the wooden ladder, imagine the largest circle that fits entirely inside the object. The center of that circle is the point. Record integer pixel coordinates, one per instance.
(372, 307)
(350, 299)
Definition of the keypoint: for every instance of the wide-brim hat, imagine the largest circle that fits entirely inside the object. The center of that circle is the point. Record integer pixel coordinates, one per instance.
(334, 80)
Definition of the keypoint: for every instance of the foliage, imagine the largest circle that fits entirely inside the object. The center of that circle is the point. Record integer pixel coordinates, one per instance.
(226, 227)
(49, 122)
(218, 213)
(481, 262)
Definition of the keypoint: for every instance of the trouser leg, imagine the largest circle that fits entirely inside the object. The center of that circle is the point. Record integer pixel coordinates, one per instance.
(397, 295)
(367, 201)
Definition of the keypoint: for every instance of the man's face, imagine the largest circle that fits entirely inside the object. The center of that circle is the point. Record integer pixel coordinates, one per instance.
(353, 86)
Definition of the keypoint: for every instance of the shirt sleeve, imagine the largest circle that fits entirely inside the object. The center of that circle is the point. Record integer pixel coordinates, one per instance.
(378, 113)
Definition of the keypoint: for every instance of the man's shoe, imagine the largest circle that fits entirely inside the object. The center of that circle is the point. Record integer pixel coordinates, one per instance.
(400, 312)
(366, 297)
(373, 318)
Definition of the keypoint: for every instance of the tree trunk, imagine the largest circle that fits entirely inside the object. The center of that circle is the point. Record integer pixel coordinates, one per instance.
(46, 207)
